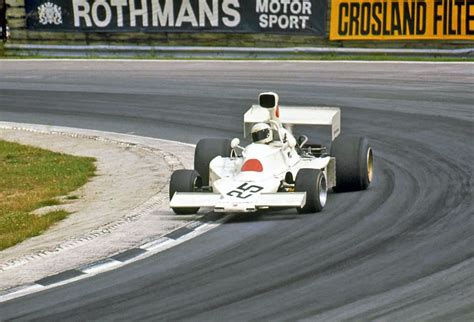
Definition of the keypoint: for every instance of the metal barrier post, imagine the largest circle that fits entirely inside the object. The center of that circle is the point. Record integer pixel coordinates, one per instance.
(3, 21)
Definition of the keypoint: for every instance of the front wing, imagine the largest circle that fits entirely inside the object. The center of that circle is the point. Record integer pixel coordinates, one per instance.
(223, 204)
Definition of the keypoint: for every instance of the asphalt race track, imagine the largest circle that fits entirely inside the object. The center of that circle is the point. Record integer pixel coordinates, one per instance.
(402, 250)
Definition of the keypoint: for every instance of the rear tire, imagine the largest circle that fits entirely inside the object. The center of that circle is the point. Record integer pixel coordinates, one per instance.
(184, 181)
(206, 150)
(354, 163)
(313, 182)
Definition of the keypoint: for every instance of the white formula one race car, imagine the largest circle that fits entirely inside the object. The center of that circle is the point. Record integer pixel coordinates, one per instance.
(276, 170)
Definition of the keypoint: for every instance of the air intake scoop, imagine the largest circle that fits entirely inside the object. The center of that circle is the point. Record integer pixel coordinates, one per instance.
(252, 165)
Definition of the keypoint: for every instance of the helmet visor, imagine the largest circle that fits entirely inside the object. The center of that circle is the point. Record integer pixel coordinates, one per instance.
(260, 135)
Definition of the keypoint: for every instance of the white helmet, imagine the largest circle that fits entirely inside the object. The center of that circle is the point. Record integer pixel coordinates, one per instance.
(262, 133)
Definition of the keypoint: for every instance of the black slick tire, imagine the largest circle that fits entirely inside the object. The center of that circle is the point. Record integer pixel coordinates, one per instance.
(313, 182)
(354, 163)
(206, 150)
(184, 181)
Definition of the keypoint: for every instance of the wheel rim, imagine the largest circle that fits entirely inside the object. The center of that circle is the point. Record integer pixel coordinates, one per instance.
(370, 165)
(323, 191)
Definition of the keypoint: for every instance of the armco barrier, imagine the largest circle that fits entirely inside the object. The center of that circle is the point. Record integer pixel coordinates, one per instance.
(231, 52)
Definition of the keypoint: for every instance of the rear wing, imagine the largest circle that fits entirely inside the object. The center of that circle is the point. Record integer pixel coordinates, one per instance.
(296, 115)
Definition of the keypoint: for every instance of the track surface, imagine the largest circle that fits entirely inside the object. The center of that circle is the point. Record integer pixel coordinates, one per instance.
(403, 250)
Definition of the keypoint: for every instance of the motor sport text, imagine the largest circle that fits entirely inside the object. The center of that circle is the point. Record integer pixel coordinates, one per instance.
(284, 14)
(156, 13)
(402, 19)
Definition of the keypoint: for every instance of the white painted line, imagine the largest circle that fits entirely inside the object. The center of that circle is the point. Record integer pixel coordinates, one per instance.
(206, 227)
(188, 236)
(158, 244)
(194, 225)
(21, 292)
(230, 49)
(102, 267)
(240, 61)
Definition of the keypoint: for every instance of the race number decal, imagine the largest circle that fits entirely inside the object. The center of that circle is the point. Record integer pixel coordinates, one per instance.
(244, 191)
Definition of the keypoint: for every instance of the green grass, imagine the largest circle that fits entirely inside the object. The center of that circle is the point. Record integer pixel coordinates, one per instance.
(31, 178)
(49, 202)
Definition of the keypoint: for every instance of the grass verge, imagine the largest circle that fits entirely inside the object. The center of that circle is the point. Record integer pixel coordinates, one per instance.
(31, 178)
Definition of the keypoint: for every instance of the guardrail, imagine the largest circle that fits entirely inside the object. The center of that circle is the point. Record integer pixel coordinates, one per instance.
(213, 52)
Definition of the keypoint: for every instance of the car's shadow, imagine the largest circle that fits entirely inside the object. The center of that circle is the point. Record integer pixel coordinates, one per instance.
(266, 215)
(282, 214)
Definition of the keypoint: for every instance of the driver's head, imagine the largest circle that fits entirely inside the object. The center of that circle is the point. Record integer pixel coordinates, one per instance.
(262, 133)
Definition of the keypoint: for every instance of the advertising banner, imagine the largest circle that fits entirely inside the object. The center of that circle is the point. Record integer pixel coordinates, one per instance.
(245, 16)
(402, 19)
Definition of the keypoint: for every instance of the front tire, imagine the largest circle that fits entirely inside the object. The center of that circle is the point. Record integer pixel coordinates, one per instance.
(206, 150)
(313, 182)
(354, 163)
(184, 181)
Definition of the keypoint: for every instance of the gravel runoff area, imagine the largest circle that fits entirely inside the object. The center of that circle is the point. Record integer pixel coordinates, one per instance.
(124, 205)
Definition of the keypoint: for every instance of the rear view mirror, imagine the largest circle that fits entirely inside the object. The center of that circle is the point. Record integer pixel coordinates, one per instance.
(234, 143)
(268, 100)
